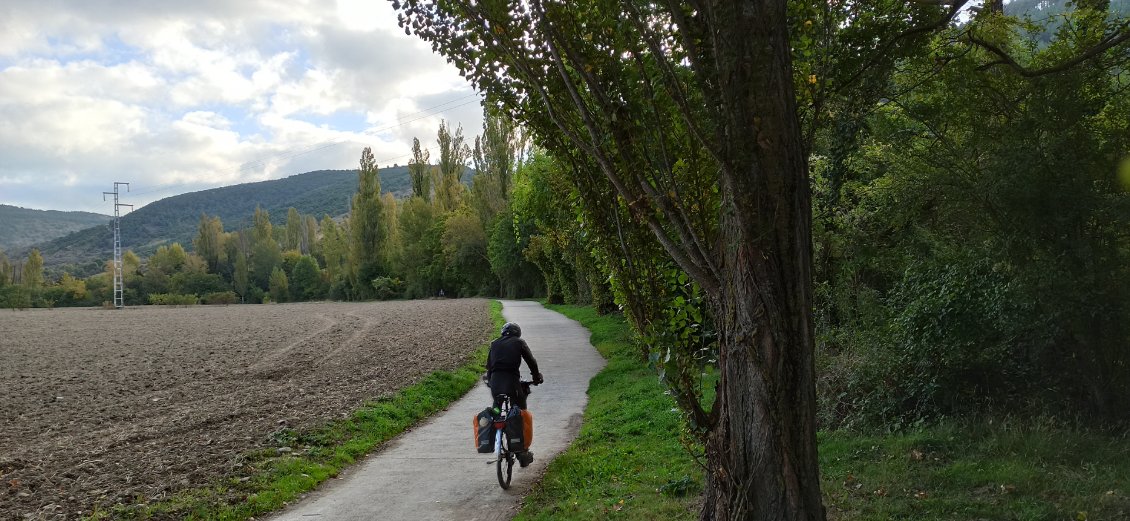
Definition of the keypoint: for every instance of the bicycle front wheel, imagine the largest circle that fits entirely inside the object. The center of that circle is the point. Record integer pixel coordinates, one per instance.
(505, 469)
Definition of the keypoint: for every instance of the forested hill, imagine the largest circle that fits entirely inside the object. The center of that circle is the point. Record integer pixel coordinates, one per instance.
(174, 219)
(22, 227)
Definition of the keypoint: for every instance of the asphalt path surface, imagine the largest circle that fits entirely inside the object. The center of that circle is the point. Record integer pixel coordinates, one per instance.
(433, 471)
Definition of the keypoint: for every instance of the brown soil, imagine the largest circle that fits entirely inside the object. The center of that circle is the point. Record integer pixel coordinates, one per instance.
(99, 407)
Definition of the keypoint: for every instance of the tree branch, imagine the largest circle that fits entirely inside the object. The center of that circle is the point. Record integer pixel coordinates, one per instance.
(955, 7)
(1119, 36)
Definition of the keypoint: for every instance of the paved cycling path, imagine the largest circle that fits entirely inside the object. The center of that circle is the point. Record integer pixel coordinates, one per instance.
(433, 472)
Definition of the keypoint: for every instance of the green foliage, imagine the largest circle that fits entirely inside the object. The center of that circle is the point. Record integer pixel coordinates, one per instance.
(265, 257)
(15, 296)
(177, 218)
(33, 270)
(5, 270)
(208, 242)
(367, 231)
(173, 299)
(279, 286)
(387, 288)
(197, 283)
(1026, 469)
(975, 244)
(453, 155)
(168, 259)
(419, 170)
(306, 280)
(241, 276)
(554, 235)
(421, 260)
(517, 276)
(220, 297)
(295, 230)
(464, 245)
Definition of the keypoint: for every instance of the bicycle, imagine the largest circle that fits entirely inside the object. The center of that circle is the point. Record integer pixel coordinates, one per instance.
(504, 458)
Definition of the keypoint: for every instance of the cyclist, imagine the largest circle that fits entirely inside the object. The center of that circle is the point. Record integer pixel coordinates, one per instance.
(504, 361)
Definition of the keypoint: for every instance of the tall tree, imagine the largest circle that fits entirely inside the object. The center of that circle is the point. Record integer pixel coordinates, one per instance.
(335, 250)
(688, 116)
(33, 271)
(279, 285)
(453, 155)
(208, 243)
(366, 230)
(683, 118)
(168, 259)
(420, 171)
(241, 276)
(496, 155)
(310, 235)
(305, 279)
(420, 246)
(392, 248)
(261, 222)
(5, 270)
(294, 232)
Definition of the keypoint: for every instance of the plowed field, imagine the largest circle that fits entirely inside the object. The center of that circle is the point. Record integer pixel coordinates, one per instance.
(102, 406)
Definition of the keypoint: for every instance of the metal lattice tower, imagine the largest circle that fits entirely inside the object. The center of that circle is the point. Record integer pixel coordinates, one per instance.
(119, 300)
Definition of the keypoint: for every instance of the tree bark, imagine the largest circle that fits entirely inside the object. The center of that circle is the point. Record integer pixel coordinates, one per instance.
(761, 453)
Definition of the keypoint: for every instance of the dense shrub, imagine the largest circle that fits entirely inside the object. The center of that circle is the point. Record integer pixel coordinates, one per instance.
(172, 299)
(220, 297)
(385, 288)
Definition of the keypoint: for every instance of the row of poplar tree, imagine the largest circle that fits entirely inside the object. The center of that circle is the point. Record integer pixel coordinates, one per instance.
(494, 235)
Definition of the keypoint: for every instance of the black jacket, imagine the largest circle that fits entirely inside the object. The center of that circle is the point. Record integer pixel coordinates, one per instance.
(506, 355)
(503, 361)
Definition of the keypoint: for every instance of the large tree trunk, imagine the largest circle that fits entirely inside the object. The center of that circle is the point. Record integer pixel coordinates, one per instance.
(762, 459)
(761, 454)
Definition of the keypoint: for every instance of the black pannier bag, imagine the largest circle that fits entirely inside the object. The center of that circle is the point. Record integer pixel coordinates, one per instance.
(483, 425)
(515, 431)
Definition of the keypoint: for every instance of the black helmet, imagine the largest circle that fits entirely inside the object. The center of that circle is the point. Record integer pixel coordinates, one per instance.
(511, 329)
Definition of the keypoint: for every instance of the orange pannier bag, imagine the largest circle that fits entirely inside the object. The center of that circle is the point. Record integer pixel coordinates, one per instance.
(528, 428)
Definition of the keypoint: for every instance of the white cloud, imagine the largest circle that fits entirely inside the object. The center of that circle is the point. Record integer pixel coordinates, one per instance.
(173, 95)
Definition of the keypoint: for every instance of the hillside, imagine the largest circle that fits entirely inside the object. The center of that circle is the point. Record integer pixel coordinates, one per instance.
(174, 219)
(22, 227)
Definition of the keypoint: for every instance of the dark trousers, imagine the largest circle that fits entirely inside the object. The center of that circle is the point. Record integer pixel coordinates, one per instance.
(508, 384)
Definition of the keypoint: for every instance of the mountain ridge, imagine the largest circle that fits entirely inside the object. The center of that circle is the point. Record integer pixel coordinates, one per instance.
(22, 227)
(175, 218)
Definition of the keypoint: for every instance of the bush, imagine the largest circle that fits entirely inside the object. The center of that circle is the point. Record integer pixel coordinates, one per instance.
(221, 297)
(15, 297)
(957, 336)
(172, 299)
(385, 288)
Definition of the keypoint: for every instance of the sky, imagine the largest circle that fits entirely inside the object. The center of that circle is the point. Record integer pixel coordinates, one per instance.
(175, 96)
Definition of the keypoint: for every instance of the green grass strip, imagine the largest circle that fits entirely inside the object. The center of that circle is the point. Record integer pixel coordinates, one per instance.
(299, 461)
(1019, 469)
(628, 461)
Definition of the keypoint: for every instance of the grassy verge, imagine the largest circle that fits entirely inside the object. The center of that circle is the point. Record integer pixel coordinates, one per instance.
(1021, 470)
(299, 461)
(627, 462)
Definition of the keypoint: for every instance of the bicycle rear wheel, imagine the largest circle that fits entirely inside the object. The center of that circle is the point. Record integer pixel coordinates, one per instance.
(505, 460)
